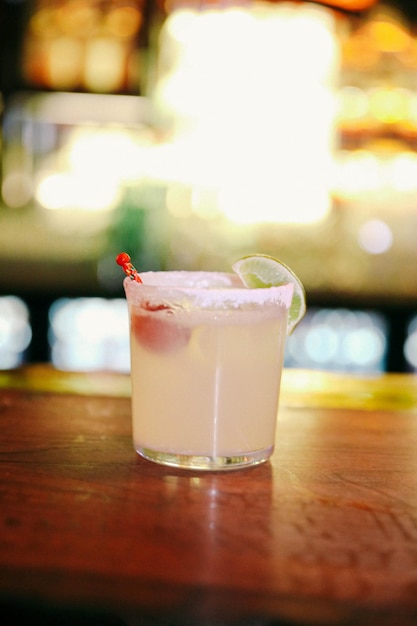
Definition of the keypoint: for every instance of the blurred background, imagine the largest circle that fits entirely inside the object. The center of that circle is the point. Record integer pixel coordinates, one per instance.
(190, 133)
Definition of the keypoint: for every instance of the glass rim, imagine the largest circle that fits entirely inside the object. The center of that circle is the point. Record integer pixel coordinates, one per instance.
(205, 289)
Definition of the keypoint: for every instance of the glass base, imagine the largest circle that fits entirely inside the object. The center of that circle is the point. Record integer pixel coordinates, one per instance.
(207, 463)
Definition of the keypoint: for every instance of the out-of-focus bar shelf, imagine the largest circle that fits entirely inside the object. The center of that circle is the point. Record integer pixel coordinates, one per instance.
(315, 163)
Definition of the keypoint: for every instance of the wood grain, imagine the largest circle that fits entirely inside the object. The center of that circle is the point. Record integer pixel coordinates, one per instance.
(325, 533)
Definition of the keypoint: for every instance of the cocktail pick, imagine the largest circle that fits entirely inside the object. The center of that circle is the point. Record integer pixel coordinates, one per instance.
(123, 259)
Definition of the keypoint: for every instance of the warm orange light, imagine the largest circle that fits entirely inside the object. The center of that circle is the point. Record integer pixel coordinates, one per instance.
(64, 62)
(388, 36)
(78, 18)
(351, 5)
(42, 22)
(124, 21)
(357, 52)
(408, 56)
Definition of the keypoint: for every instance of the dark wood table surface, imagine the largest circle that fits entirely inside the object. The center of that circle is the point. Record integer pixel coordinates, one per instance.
(325, 533)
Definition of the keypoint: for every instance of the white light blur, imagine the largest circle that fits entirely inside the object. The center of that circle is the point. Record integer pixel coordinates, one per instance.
(352, 104)
(404, 172)
(375, 237)
(71, 191)
(111, 153)
(89, 334)
(15, 331)
(410, 350)
(252, 121)
(364, 346)
(358, 172)
(339, 340)
(321, 344)
(91, 171)
(410, 345)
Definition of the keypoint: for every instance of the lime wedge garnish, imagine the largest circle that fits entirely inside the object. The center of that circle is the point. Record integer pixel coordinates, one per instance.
(261, 270)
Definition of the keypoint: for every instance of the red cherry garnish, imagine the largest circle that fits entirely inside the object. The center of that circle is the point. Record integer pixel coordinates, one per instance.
(123, 259)
(160, 335)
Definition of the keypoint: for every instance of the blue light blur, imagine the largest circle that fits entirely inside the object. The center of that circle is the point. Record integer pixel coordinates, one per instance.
(339, 340)
(410, 345)
(93, 333)
(89, 334)
(15, 331)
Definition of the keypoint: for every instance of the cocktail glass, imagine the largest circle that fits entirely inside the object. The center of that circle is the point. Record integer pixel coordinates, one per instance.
(206, 362)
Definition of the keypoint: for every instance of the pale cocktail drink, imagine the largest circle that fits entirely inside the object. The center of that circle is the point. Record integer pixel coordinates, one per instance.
(206, 362)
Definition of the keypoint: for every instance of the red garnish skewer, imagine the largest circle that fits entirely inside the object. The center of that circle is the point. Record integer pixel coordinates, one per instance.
(123, 259)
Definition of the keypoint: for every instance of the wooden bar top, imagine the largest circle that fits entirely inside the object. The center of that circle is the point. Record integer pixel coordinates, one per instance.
(325, 533)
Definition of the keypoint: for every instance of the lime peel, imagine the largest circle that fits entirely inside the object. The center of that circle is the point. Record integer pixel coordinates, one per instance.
(263, 271)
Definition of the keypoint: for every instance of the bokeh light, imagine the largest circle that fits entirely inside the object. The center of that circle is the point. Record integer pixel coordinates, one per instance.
(410, 345)
(339, 340)
(15, 331)
(274, 162)
(93, 333)
(89, 334)
(375, 237)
